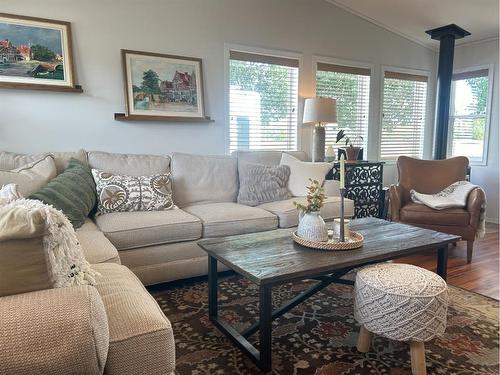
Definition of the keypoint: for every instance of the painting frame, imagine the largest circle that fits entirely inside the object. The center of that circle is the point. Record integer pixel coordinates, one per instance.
(130, 105)
(65, 58)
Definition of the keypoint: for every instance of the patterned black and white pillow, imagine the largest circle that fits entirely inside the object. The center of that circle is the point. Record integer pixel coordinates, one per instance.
(122, 193)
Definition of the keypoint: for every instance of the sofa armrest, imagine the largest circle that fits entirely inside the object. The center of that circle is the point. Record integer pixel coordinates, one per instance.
(475, 202)
(332, 188)
(53, 331)
(395, 201)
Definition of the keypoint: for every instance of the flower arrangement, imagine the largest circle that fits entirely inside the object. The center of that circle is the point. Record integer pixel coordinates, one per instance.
(315, 198)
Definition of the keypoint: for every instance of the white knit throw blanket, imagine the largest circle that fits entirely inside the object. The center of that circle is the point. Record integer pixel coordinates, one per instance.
(454, 196)
(66, 262)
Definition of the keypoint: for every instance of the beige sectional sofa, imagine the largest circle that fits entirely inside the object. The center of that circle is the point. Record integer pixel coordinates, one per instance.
(117, 327)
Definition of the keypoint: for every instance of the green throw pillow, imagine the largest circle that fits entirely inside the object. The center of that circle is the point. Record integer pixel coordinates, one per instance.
(73, 192)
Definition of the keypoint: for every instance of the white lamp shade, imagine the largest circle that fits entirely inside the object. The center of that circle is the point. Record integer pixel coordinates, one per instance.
(320, 110)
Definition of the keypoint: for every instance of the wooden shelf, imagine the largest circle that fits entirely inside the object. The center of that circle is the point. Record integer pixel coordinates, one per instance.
(27, 86)
(124, 117)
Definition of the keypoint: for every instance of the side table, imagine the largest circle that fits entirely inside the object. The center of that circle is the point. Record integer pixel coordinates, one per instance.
(363, 183)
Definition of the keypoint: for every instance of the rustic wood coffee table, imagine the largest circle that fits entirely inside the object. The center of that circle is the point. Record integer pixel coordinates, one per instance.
(272, 258)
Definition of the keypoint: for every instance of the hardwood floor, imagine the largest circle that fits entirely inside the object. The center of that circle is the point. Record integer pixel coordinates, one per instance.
(481, 276)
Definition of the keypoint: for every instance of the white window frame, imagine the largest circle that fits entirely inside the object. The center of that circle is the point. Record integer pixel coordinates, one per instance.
(429, 117)
(356, 64)
(489, 102)
(261, 51)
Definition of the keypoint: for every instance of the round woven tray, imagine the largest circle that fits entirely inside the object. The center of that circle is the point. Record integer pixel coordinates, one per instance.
(355, 240)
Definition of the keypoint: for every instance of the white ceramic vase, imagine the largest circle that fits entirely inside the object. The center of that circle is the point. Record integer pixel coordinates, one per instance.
(312, 227)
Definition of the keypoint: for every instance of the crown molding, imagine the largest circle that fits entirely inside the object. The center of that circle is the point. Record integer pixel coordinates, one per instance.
(382, 25)
(485, 40)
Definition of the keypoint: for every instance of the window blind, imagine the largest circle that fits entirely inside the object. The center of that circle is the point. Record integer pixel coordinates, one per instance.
(468, 110)
(263, 97)
(403, 115)
(351, 87)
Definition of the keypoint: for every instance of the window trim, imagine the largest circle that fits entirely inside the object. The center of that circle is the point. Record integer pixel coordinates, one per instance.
(228, 47)
(489, 104)
(370, 146)
(428, 106)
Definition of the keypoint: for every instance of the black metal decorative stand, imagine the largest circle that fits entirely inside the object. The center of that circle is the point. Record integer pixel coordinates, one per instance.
(363, 185)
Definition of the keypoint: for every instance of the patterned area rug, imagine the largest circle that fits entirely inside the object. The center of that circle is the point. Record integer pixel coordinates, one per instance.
(319, 336)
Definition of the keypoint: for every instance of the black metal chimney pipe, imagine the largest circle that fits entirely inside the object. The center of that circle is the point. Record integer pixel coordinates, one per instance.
(446, 36)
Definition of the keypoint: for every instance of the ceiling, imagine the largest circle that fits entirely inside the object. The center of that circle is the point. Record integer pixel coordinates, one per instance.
(411, 18)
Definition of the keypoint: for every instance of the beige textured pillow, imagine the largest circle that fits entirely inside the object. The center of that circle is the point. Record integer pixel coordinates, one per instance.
(30, 177)
(39, 249)
(301, 172)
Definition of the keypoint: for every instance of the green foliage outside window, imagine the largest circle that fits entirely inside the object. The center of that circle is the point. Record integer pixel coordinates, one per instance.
(399, 96)
(478, 125)
(344, 88)
(479, 87)
(272, 82)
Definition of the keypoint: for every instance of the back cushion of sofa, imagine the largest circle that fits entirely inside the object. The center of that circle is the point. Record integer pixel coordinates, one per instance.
(12, 160)
(269, 158)
(204, 179)
(129, 164)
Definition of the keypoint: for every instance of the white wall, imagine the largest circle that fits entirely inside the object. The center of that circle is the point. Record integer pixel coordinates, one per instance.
(39, 121)
(486, 176)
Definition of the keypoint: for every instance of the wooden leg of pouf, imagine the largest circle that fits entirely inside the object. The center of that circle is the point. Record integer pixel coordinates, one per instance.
(364, 340)
(417, 352)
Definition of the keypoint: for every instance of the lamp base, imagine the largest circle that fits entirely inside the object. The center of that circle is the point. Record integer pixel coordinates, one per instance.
(318, 152)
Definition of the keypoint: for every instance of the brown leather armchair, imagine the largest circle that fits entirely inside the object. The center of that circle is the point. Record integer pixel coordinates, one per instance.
(430, 177)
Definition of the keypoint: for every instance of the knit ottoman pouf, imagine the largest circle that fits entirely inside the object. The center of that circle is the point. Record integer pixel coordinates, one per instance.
(403, 303)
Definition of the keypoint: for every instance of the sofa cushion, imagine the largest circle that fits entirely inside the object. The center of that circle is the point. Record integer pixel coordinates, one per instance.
(265, 157)
(141, 340)
(55, 331)
(129, 164)
(96, 247)
(11, 160)
(30, 177)
(421, 214)
(73, 192)
(200, 179)
(128, 230)
(289, 216)
(226, 219)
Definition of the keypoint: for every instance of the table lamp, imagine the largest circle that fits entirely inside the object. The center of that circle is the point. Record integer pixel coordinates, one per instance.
(319, 111)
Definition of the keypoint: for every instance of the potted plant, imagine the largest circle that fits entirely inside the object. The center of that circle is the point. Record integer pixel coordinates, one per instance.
(311, 224)
(351, 151)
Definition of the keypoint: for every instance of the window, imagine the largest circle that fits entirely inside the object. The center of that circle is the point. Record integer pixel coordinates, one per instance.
(351, 87)
(403, 115)
(468, 115)
(263, 97)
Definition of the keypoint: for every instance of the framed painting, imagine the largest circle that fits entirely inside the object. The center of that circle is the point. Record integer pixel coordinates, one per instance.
(35, 53)
(162, 86)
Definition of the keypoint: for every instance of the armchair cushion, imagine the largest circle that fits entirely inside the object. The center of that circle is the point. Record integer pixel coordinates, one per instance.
(420, 214)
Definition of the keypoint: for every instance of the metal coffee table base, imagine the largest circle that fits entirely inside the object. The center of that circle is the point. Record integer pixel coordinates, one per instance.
(262, 357)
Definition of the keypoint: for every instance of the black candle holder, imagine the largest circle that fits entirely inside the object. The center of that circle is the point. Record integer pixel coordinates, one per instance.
(342, 226)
